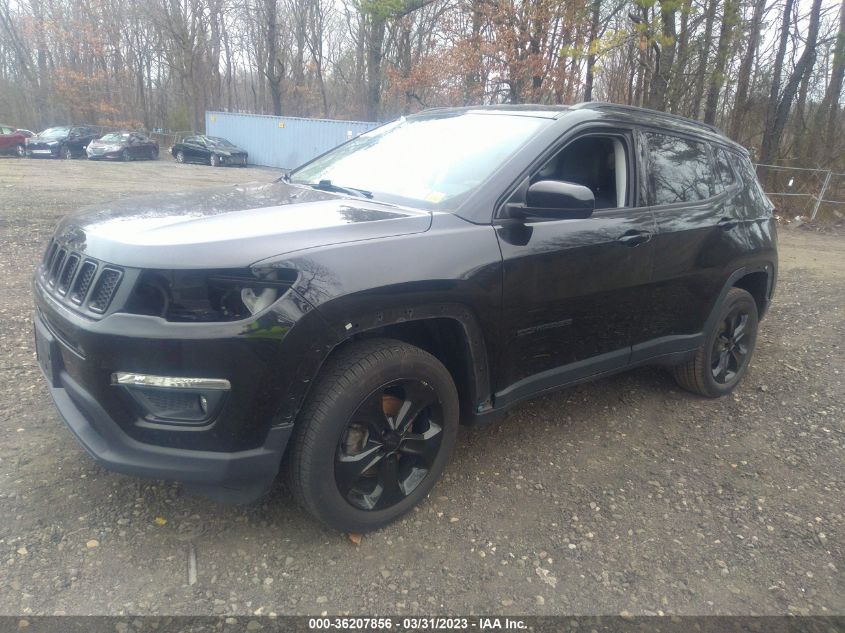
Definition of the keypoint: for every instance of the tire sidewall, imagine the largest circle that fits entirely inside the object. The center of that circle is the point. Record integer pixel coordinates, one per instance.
(180, 157)
(327, 502)
(214, 161)
(736, 297)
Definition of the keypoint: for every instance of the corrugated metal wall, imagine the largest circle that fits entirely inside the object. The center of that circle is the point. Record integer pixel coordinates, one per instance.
(284, 142)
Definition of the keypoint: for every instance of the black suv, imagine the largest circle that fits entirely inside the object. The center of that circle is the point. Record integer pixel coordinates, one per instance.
(442, 267)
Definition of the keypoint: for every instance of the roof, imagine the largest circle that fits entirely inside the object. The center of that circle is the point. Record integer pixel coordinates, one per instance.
(557, 111)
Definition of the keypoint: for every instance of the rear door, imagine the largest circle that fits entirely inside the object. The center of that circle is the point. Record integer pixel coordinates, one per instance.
(575, 289)
(700, 240)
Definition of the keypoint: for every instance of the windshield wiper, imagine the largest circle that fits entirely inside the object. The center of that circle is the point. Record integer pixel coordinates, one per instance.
(327, 185)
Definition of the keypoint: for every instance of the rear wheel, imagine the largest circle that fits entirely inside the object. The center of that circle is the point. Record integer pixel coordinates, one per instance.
(66, 153)
(214, 161)
(153, 153)
(180, 157)
(374, 436)
(20, 151)
(723, 359)
(124, 156)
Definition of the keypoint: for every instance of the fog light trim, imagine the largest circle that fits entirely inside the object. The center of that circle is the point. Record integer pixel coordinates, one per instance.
(170, 382)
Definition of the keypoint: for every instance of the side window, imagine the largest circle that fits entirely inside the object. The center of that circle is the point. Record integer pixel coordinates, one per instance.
(679, 170)
(725, 177)
(5, 130)
(597, 162)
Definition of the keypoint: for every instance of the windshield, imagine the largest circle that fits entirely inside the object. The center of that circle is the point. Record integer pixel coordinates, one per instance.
(432, 160)
(54, 132)
(216, 141)
(115, 138)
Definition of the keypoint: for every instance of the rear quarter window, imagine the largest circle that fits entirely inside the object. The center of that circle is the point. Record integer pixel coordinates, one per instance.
(679, 169)
(725, 177)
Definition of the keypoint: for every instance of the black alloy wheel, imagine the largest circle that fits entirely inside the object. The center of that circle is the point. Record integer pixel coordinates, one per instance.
(374, 435)
(730, 351)
(723, 359)
(389, 445)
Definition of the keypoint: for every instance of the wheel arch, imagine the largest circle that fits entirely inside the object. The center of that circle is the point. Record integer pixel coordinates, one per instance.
(757, 280)
(449, 332)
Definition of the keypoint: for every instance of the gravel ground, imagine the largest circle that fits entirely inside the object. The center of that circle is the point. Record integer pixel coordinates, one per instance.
(625, 495)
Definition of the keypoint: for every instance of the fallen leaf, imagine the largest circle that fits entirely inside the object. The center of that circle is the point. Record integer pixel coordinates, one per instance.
(160, 521)
(355, 538)
(92, 544)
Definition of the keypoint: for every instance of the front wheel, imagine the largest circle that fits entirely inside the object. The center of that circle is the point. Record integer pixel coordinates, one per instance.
(374, 436)
(124, 156)
(66, 153)
(180, 157)
(20, 151)
(153, 153)
(723, 359)
(214, 161)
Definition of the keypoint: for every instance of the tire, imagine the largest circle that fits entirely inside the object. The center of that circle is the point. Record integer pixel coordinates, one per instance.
(20, 151)
(153, 153)
(723, 359)
(383, 373)
(180, 157)
(124, 156)
(66, 153)
(214, 160)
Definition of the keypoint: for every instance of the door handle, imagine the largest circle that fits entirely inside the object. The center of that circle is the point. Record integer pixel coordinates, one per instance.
(634, 238)
(727, 224)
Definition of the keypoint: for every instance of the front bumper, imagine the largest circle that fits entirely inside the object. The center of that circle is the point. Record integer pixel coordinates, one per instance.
(41, 151)
(234, 477)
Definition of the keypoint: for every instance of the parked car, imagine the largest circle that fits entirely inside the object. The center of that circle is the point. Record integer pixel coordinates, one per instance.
(123, 146)
(440, 268)
(12, 141)
(210, 150)
(60, 142)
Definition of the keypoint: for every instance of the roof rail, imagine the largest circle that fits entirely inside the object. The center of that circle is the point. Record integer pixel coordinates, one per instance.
(603, 105)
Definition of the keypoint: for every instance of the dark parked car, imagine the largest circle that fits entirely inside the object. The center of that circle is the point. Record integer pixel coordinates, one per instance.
(60, 142)
(210, 150)
(123, 146)
(442, 267)
(12, 141)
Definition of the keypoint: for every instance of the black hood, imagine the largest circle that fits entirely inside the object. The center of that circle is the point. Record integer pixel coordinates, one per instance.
(229, 227)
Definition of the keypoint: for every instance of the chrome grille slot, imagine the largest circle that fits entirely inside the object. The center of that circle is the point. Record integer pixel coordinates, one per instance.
(67, 274)
(104, 290)
(57, 266)
(83, 282)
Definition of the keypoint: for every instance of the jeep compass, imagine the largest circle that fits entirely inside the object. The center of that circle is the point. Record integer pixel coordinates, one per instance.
(339, 323)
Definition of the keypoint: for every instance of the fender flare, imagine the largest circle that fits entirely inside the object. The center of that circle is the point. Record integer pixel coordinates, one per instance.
(475, 357)
(738, 274)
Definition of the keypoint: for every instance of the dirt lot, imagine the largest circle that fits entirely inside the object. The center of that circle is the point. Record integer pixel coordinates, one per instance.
(626, 495)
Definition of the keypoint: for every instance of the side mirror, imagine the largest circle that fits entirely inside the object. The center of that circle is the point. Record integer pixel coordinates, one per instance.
(555, 200)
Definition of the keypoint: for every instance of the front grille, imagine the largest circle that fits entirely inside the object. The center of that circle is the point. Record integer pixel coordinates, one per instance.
(104, 290)
(83, 282)
(68, 273)
(87, 283)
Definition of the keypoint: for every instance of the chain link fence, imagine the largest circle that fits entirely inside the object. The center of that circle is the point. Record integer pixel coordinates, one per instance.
(800, 192)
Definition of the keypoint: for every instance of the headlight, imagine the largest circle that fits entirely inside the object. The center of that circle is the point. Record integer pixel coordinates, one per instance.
(207, 296)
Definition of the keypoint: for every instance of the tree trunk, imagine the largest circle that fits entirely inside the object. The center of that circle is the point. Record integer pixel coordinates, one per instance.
(591, 55)
(717, 77)
(665, 57)
(774, 130)
(830, 103)
(703, 58)
(745, 67)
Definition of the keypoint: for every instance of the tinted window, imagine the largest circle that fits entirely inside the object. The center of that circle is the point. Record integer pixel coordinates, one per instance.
(679, 170)
(725, 175)
(6, 130)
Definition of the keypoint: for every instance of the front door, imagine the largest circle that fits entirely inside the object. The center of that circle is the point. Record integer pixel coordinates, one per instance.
(574, 290)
